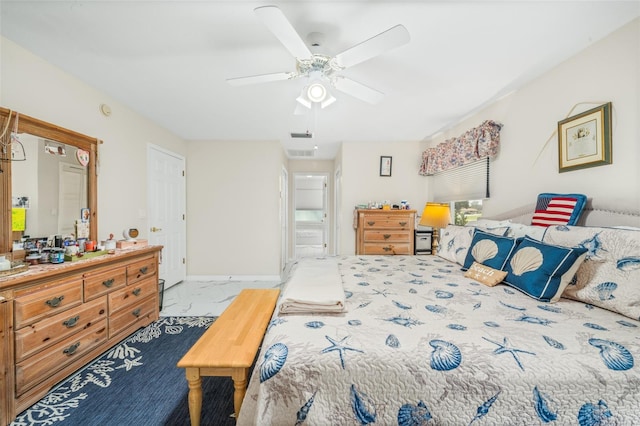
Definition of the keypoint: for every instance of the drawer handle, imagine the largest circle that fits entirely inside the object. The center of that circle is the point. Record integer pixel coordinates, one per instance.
(71, 322)
(144, 270)
(137, 291)
(71, 349)
(389, 248)
(387, 236)
(55, 302)
(371, 223)
(136, 313)
(108, 283)
(403, 223)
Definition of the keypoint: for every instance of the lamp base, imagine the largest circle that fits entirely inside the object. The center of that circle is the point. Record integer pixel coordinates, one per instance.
(435, 237)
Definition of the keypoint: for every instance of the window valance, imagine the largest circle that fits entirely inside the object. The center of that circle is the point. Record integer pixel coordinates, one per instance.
(479, 142)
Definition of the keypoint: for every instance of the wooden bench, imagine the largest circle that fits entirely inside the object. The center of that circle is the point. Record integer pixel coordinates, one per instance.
(229, 346)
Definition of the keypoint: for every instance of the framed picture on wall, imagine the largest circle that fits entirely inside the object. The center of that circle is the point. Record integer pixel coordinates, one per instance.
(385, 166)
(584, 140)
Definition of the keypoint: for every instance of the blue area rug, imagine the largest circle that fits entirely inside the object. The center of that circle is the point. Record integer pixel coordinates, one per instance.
(137, 383)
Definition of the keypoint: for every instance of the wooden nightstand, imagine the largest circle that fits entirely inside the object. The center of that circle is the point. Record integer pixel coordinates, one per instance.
(385, 231)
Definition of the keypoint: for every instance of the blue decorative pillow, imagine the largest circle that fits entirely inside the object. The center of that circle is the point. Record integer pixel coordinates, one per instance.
(558, 209)
(489, 249)
(541, 270)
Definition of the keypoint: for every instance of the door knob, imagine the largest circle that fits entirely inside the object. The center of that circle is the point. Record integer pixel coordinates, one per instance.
(154, 229)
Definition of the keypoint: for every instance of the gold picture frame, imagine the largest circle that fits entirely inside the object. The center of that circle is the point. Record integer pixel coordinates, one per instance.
(584, 140)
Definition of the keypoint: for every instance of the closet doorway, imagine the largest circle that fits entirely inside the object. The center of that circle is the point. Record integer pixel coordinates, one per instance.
(310, 213)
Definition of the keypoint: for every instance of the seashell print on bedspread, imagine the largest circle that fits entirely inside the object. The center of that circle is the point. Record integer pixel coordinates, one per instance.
(422, 344)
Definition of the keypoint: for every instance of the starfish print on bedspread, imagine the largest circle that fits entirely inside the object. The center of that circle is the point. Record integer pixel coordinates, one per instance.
(506, 347)
(383, 292)
(340, 347)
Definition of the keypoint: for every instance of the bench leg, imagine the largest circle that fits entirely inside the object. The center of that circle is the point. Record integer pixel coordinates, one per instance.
(195, 395)
(239, 376)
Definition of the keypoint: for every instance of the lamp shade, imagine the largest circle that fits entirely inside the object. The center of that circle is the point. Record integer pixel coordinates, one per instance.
(435, 215)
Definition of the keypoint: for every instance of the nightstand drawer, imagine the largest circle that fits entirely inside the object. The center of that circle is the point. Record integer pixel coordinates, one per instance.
(377, 248)
(387, 223)
(386, 236)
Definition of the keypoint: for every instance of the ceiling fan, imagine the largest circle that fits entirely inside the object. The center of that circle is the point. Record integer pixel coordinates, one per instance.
(322, 68)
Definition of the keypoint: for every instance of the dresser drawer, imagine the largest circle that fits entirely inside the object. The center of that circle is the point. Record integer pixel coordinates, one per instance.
(387, 222)
(386, 236)
(46, 332)
(133, 317)
(141, 269)
(33, 370)
(397, 248)
(97, 284)
(132, 294)
(48, 301)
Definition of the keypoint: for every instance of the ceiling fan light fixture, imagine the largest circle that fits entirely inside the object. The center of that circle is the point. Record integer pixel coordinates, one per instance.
(316, 92)
(328, 101)
(302, 100)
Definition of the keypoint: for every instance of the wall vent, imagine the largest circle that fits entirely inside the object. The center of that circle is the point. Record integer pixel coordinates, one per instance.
(305, 135)
(302, 152)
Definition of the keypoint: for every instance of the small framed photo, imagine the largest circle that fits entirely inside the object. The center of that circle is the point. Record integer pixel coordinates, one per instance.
(584, 140)
(85, 215)
(385, 166)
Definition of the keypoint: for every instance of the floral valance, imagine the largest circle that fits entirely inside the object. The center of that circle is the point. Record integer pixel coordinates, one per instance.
(479, 142)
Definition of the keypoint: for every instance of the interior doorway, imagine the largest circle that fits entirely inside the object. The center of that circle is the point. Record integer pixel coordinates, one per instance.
(310, 213)
(167, 211)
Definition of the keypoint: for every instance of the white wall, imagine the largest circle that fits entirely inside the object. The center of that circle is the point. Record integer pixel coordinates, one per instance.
(233, 223)
(607, 71)
(361, 180)
(34, 87)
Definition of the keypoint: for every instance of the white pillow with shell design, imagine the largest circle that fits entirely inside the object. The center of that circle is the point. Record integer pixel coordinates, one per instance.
(610, 275)
(454, 243)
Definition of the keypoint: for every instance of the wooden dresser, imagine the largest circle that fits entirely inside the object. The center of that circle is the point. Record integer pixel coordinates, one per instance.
(385, 231)
(57, 318)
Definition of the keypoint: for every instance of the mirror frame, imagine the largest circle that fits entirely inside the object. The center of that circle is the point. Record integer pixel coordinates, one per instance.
(33, 126)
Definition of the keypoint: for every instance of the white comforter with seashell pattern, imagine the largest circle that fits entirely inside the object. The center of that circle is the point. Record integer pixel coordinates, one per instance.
(422, 344)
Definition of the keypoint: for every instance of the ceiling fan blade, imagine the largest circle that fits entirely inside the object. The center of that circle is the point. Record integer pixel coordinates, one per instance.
(262, 78)
(387, 40)
(358, 90)
(280, 26)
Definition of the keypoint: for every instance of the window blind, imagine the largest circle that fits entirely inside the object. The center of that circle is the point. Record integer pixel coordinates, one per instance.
(468, 182)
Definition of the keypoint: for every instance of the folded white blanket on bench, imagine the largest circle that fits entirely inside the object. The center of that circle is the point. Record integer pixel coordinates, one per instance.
(315, 286)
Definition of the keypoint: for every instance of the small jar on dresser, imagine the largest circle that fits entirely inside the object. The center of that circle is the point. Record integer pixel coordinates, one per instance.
(385, 231)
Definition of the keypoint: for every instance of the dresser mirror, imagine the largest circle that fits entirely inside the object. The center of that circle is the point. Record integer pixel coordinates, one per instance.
(48, 180)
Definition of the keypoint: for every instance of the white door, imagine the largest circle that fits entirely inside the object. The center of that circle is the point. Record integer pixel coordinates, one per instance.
(72, 196)
(167, 212)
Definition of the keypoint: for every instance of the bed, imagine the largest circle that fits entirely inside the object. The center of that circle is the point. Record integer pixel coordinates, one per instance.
(418, 342)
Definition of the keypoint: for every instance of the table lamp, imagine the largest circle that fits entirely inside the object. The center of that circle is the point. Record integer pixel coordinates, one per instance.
(436, 216)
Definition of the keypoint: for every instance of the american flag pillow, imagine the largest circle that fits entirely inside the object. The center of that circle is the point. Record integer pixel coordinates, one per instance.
(558, 209)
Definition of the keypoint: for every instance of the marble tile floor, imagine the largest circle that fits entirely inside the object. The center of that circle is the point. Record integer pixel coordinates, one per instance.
(205, 298)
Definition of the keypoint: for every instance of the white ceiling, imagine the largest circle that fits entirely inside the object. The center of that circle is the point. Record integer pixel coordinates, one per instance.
(168, 60)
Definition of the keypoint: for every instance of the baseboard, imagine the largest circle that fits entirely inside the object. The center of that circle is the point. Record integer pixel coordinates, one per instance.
(243, 278)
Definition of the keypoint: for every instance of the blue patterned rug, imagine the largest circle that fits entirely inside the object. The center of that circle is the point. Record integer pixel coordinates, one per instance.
(137, 383)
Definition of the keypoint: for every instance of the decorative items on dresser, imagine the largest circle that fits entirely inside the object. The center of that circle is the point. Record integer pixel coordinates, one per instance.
(385, 231)
(57, 318)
